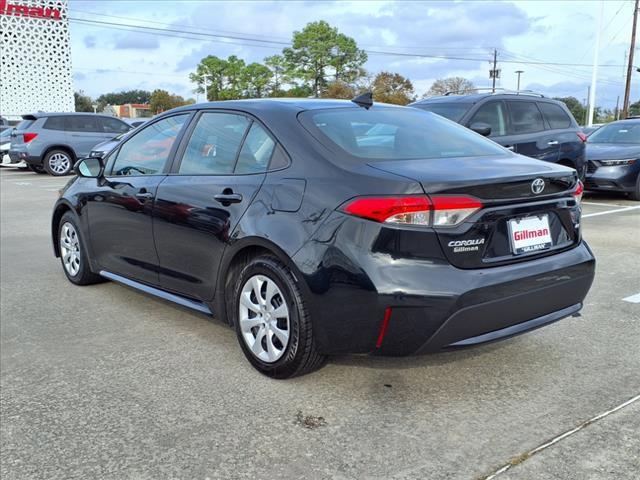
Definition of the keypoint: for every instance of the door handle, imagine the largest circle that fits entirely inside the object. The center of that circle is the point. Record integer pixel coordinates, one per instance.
(509, 147)
(144, 195)
(553, 142)
(228, 198)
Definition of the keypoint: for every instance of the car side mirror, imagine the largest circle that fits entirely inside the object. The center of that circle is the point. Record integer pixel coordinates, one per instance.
(483, 129)
(90, 167)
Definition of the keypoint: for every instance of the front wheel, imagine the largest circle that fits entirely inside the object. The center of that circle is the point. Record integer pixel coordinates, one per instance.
(272, 322)
(73, 253)
(58, 163)
(635, 195)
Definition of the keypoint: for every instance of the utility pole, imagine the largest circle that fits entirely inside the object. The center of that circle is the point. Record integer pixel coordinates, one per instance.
(627, 87)
(519, 72)
(617, 109)
(494, 72)
(594, 71)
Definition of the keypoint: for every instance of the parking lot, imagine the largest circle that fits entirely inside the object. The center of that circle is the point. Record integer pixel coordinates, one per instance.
(106, 382)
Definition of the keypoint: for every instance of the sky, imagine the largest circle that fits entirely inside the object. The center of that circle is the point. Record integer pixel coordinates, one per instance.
(555, 33)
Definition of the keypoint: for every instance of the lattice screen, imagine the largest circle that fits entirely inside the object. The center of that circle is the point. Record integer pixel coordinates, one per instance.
(35, 68)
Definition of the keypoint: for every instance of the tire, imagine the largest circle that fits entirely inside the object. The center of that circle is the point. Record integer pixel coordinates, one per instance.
(635, 195)
(261, 333)
(36, 168)
(73, 253)
(58, 163)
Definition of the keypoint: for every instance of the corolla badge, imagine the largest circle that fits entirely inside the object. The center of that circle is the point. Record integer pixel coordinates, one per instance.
(537, 186)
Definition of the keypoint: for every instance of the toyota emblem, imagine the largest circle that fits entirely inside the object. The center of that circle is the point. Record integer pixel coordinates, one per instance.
(537, 186)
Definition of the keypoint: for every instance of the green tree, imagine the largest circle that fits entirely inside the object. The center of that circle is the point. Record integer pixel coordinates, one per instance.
(227, 79)
(161, 101)
(575, 107)
(256, 79)
(451, 84)
(278, 66)
(319, 52)
(634, 109)
(392, 88)
(121, 98)
(83, 102)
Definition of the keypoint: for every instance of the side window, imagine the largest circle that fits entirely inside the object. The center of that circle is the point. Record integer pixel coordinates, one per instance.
(147, 151)
(214, 144)
(492, 113)
(256, 151)
(54, 123)
(82, 123)
(555, 115)
(525, 117)
(112, 125)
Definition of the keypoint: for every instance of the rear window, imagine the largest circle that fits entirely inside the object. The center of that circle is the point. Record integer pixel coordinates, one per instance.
(452, 111)
(24, 124)
(555, 115)
(54, 123)
(397, 133)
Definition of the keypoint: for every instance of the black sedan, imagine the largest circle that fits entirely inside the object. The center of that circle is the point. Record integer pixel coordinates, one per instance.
(613, 155)
(318, 227)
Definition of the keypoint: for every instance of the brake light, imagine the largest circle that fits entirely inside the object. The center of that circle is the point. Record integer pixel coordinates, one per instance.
(579, 190)
(27, 137)
(448, 210)
(412, 210)
(582, 136)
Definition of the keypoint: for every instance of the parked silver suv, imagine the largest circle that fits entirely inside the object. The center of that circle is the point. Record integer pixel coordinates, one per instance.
(53, 142)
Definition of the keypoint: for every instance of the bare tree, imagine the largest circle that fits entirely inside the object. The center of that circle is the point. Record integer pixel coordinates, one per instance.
(458, 85)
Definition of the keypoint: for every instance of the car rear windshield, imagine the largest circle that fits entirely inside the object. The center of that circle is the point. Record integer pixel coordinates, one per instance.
(452, 111)
(24, 124)
(628, 133)
(397, 133)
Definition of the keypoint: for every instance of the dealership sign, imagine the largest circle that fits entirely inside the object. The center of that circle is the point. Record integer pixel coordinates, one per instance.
(20, 10)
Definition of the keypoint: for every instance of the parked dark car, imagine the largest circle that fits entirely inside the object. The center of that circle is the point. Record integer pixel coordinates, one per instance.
(526, 123)
(53, 142)
(285, 220)
(102, 148)
(613, 155)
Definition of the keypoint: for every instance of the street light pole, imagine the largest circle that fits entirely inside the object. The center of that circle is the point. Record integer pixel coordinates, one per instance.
(627, 87)
(519, 72)
(594, 71)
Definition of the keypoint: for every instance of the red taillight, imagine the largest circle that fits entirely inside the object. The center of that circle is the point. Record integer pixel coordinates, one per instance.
(448, 210)
(383, 327)
(29, 136)
(581, 136)
(406, 209)
(579, 190)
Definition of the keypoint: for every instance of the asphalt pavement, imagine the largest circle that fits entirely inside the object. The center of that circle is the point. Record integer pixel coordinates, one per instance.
(103, 382)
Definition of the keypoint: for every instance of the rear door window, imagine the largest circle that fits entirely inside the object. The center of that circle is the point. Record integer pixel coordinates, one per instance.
(54, 123)
(525, 117)
(81, 123)
(493, 114)
(256, 151)
(214, 144)
(554, 114)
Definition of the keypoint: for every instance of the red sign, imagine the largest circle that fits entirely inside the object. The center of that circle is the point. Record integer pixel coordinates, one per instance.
(18, 10)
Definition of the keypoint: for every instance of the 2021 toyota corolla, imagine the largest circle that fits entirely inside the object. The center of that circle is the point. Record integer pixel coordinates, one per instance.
(318, 227)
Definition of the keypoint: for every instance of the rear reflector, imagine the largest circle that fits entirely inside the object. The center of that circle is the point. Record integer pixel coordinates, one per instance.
(383, 327)
(28, 137)
(581, 136)
(579, 190)
(406, 209)
(448, 210)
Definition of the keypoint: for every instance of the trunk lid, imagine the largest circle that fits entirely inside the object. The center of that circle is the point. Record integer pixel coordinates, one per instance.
(504, 185)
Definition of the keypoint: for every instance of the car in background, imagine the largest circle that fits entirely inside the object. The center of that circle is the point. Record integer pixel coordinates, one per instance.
(524, 122)
(613, 158)
(318, 227)
(101, 149)
(589, 130)
(53, 142)
(5, 144)
(4, 124)
(136, 122)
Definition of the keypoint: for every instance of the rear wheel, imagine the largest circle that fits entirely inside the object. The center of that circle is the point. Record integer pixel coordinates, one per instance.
(58, 163)
(73, 253)
(635, 195)
(271, 320)
(36, 168)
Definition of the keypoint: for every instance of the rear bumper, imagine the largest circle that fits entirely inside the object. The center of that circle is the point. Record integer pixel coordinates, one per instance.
(17, 156)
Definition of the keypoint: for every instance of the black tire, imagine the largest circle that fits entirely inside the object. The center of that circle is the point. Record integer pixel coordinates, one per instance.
(84, 275)
(58, 163)
(635, 195)
(36, 168)
(300, 356)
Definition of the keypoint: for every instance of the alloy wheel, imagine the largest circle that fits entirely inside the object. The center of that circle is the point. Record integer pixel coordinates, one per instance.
(59, 163)
(70, 249)
(264, 318)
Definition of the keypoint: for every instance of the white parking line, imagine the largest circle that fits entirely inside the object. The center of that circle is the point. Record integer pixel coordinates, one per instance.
(626, 209)
(633, 298)
(603, 204)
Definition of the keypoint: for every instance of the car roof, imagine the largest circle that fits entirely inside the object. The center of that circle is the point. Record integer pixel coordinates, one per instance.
(476, 97)
(35, 116)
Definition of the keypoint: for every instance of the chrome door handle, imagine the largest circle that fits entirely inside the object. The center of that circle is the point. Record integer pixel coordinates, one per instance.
(144, 195)
(227, 198)
(553, 142)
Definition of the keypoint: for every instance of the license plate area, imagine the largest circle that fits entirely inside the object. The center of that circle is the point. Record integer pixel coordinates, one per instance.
(530, 234)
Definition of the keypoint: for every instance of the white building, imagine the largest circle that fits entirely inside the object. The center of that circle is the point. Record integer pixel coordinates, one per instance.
(35, 58)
